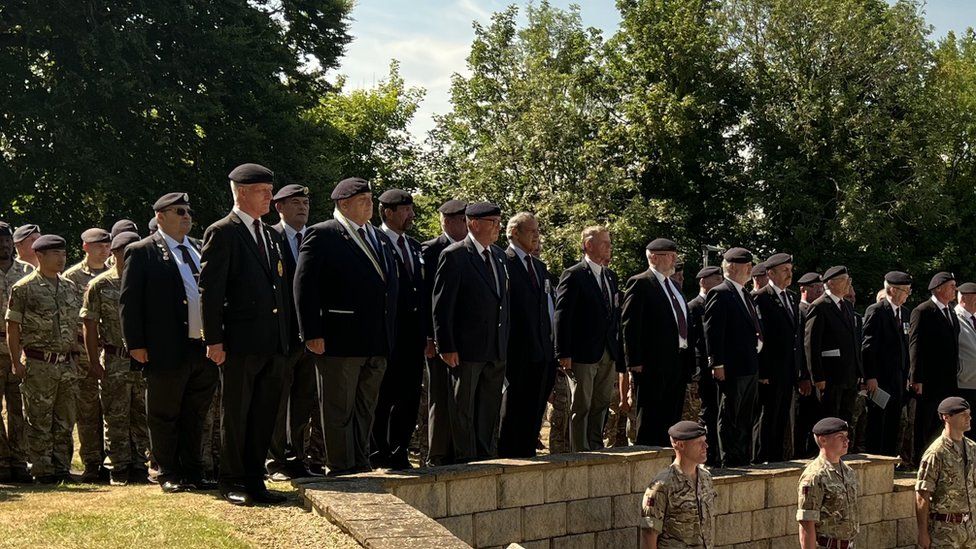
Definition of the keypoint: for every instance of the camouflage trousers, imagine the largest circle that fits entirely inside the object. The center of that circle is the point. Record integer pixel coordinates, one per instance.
(859, 424)
(50, 395)
(12, 454)
(956, 536)
(559, 415)
(906, 436)
(692, 407)
(620, 429)
(91, 435)
(123, 398)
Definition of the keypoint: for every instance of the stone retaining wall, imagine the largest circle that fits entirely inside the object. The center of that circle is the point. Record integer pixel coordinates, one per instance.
(588, 500)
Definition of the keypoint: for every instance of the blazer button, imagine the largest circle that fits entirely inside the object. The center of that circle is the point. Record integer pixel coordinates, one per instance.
(275, 311)
(184, 302)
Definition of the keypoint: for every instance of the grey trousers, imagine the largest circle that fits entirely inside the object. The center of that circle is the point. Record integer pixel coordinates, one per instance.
(348, 388)
(592, 389)
(475, 408)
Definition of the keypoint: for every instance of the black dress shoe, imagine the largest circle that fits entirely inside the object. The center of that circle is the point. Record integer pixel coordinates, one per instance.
(400, 464)
(171, 487)
(203, 484)
(264, 496)
(139, 476)
(236, 497)
(47, 479)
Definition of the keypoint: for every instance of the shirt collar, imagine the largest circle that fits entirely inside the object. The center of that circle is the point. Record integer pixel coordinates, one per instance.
(247, 219)
(292, 232)
(477, 245)
(522, 254)
(962, 312)
(390, 233)
(939, 303)
(449, 239)
(832, 297)
(775, 288)
(171, 242)
(594, 266)
(736, 285)
(349, 223)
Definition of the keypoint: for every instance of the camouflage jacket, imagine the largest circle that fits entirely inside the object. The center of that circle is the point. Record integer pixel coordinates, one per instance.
(943, 473)
(828, 497)
(47, 313)
(680, 509)
(16, 271)
(81, 275)
(101, 304)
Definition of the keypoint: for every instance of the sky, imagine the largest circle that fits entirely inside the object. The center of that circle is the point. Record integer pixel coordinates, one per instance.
(431, 39)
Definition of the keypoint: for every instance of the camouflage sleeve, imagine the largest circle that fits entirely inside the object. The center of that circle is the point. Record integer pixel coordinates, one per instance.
(928, 473)
(90, 302)
(17, 304)
(653, 506)
(810, 499)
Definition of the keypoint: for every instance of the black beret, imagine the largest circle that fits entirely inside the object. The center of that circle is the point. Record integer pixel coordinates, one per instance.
(708, 271)
(809, 278)
(776, 260)
(348, 188)
(953, 405)
(5, 229)
(686, 430)
(249, 174)
(834, 272)
(830, 425)
(453, 207)
(153, 225)
(482, 209)
(289, 191)
(171, 199)
(95, 235)
(122, 226)
(48, 242)
(758, 270)
(123, 239)
(898, 278)
(396, 197)
(940, 279)
(24, 231)
(967, 288)
(662, 245)
(738, 255)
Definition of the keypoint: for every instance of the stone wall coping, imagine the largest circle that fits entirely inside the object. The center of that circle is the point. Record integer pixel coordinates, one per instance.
(789, 468)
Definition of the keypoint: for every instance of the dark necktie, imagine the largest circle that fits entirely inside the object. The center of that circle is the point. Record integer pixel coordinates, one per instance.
(752, 312)
(188, 259)
(606, 288)
(298, 241)
(491, 272)
(973, 320)
(369, 244)
(786, 303)
(407, 263)
(678, 312)
(531, 270)
(948, 314)
(262, 251)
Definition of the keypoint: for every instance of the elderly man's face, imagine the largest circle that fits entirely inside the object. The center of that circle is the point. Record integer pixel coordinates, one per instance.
(840, 285)
(898, 295)
(255, 198)
(527, 235)
(600, 248)
(399, 218)
(946, 292)
(781, 275)
(294, 210)
(968, 302)
(663, 262)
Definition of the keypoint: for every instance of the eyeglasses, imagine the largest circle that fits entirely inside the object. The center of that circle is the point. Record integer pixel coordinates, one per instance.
(489, 220)
(182, 211)
(906, 292)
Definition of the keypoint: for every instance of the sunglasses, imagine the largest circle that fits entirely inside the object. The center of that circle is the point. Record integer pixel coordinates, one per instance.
(181, 211)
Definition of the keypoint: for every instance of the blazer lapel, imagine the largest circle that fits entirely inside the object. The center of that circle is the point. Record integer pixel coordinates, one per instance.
(167, 258)
(359, 252)
(250, 243)
(595, 285)
(479, 264)
(739, 297)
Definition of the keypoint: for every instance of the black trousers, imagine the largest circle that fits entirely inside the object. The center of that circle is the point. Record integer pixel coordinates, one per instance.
(884, 425)
(475, 407)
(178, 397)
(298, 403)
(708, 415)
(736, 419)
(440, 443)
(928, 424)
(659, 397)
(250, 394)
(397, 403)
(774, 402)
(523, 405)
(808, 413)
(839, 401)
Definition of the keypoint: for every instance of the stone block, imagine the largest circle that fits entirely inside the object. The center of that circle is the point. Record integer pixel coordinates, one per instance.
(588, 515)
(644, 471)
(624, 538)
(757, 544)
(898, 505)
(907, 532)
(419, 527)
(881, 535)
(566, 483)
(609, 479)
(722, 493)
(733, 528)
(781, 491)
(581, 541)
(461, 526)
(878, 478)
(869, 508)
(544, 521)
(747, 496)
(626, 510)
(429, 499)
(537, 544)
(472, 495)
(430, 542)
(768, 523)
(521, 489)
(786, 542)
(497, 527)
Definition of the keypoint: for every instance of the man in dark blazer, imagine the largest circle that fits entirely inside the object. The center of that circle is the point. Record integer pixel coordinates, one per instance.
(298, 394)
(440, 448)
(346, 290)
(159, 305)
(399, 396)
(531, 359)
(884, 351)
(471, 328)
(708, 278)
(933, 350)
(781, 362)
(245, 324)
(833, 348)
(656, 330)
(588, 343)
(807, 406)
(734, 337)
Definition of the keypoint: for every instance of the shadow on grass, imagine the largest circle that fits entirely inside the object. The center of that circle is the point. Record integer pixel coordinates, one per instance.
(14, 492)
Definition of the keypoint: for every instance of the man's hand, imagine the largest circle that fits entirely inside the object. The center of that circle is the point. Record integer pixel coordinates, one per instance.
(805, 387)
(451, 359)
(718, 374)
(430, 351)
(140, 355)
(924, 541)
(18, 368)
(625, 404)
(636, 369)
(764, 381)
(216, 353)
(821, 386)
(917, 387)
(96, 371)
(872, 385)
(566, 363)
(316, 346)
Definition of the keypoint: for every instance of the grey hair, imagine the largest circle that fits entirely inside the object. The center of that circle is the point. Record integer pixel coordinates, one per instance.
(516, 221)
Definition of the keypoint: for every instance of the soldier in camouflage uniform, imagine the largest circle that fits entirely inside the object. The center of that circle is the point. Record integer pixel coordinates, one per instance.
(42, 324)
(24, 238)
(559, 414)
(827, 492)
(946, 485)
(96, 243)
(677, 509)
(123, 390)
(13, 463)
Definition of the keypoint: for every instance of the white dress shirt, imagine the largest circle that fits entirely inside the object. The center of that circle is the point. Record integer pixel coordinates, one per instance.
(290, 235)
(668, 286)
(395, 238)
(780, 295)
(481, 255)
(194, 314)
